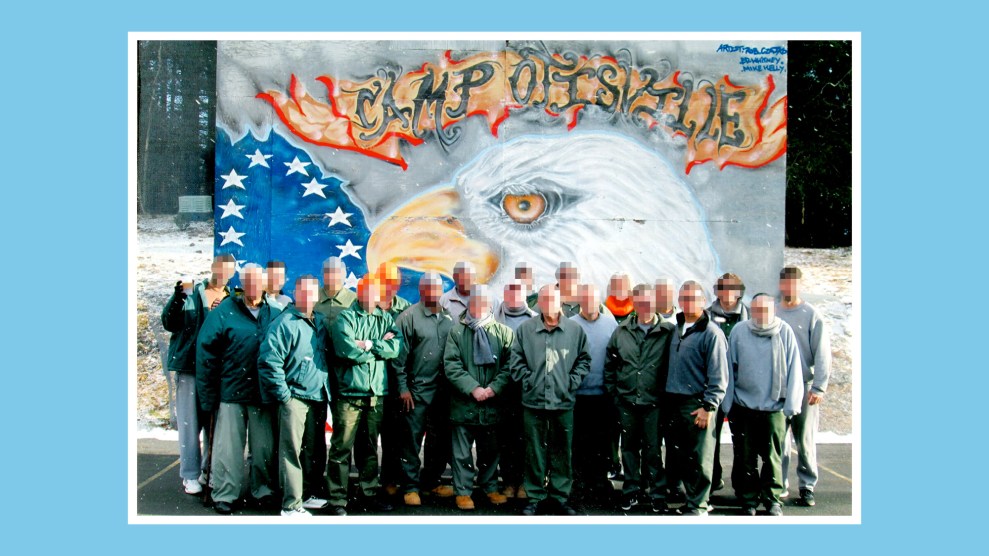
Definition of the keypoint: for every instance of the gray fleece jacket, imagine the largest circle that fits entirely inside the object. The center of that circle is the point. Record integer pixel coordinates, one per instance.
(814, 341)
(699, 362)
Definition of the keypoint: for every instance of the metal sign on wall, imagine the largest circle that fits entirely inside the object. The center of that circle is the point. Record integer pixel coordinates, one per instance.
(656, 158)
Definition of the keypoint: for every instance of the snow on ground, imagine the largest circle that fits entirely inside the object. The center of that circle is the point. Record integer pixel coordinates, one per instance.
(165, 254)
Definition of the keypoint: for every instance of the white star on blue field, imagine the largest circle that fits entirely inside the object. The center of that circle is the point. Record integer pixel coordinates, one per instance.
(274, 203)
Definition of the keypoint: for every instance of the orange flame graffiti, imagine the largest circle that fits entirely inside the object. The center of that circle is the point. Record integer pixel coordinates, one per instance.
(722, 122)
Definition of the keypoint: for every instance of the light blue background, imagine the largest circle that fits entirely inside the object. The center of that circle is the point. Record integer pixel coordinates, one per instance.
(64, 393)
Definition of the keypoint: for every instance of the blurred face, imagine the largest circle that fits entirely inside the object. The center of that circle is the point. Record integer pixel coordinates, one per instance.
(464, 279)
(369, 296)
(223, 271)
(525, 274)
(514, 297)
(664, 296)
(763, 310)
(569, 276)
(306, 295)
(790, 288)
(728, 291)
(691, 301)
(549, 301)
(430, 292)
(276, 279)
(620, 287)
(644, 302)
(333, 279)
(589, 299)
(253, 281)
(479, 305)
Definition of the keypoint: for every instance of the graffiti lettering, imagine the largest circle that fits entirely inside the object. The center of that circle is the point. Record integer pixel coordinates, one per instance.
(722, 122)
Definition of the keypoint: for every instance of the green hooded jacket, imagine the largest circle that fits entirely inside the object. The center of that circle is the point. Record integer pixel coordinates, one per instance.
(183, 315)
(292, 359)
(227, 352)
(360, 373)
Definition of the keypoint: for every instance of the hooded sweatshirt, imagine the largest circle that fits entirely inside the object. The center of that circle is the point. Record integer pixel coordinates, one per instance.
(512, 318)
(765, 369)
(726, 320)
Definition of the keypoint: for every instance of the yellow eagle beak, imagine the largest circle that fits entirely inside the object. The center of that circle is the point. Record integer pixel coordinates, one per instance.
(424, 235)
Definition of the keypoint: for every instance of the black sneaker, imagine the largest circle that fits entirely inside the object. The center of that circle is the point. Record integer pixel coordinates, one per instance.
(659, 507)
(806, 497)
(628, 501)
(530, 508)
(719, 486)
(337, 510)
(675, 496)
(376, 504)
(567, 509)
(224, 508)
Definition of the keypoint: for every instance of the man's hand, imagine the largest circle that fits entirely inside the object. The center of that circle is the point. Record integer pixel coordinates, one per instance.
(389, 336)
(363, 344)
(407, 404)
(480, 394)
(179, 290)
(702, 418)
(814, 398)
(215, 303)
(490, 393)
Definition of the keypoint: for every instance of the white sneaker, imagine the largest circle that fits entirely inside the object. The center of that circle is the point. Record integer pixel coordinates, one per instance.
(192, 486)
(314, 503)
(298, 512)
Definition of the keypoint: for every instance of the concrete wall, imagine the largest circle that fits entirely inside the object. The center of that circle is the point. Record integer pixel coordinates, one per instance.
(654, 158)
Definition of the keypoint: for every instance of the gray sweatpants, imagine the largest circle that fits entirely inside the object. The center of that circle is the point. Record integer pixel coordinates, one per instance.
(237, 425)
(192, 458)
(804, 427)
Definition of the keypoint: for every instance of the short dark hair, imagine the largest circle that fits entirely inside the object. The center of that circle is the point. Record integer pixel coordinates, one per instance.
(729, 276)
(275, 264)
(791, 272)
(225, 258)
(762, 294)
(300, 279)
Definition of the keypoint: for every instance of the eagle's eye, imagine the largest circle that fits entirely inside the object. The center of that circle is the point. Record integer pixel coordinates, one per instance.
(524, 209)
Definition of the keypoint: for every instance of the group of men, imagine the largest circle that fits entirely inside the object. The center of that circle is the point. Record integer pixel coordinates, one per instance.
(537, 397)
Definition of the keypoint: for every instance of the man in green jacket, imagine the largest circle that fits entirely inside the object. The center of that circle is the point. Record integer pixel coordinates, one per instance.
(364, 339)
(549, 359)
(476, 364)
(183, 315)
(423, 393)
(390, 278)
(292, 369)
(227, 382)
(635, 377)
(334, 297)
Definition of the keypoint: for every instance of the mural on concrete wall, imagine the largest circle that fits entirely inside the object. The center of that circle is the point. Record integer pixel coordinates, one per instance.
(656, 158)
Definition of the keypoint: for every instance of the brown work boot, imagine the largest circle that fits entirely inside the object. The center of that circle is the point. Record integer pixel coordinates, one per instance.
(508, 492)
(520, 493)
(391, 490)
(412, 499)
(443, 491)
(497, 498)
(465, 502)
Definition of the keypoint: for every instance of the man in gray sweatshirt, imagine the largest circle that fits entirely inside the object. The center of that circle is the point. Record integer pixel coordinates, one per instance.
(698, 377)
(594, 413)
(814, 341)
(765, 388)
